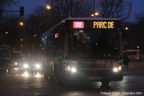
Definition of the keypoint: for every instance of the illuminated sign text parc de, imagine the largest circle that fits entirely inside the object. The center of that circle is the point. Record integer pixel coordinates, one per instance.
(103, 25)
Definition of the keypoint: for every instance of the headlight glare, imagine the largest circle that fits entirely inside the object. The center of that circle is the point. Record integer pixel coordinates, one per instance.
(68, 68)
(37, 66)
(26, 66)
(73, 70)
(26, 74)
(38, 75)
(16, 63)
(115, 69)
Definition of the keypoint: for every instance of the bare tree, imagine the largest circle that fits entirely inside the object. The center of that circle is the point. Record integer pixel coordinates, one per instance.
(115, 8)
(4, 3)
(61, 9)
(72, 8)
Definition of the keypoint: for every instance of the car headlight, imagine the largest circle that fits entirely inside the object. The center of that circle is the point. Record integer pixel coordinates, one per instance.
(26, 66)
(117, 69)
(38, 66)
(71, 69)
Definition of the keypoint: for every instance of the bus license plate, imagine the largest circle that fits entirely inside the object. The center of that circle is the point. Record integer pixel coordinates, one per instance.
(94, 78)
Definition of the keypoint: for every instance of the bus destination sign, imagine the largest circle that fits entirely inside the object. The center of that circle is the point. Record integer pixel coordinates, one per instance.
(94, 24)
(103, 25)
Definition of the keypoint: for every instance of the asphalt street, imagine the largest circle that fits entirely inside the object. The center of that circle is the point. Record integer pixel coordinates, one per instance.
(17, 85)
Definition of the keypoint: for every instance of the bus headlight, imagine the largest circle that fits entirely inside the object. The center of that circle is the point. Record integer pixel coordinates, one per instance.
(38, 66)
(117, 69)
(71, 69)
(26, 66)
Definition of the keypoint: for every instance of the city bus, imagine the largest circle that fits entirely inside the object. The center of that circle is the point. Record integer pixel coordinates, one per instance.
(86, 49)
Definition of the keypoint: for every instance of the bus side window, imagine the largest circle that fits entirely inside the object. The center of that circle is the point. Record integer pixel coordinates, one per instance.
(60, 37)
(51, 46)
(55, 42)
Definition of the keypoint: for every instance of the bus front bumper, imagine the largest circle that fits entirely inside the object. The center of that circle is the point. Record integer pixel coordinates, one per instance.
(93, 75)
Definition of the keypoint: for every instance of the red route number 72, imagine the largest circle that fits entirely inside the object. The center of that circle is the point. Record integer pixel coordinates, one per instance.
(78, 24)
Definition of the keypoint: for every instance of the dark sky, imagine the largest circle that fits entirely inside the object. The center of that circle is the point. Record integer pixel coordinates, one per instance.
(138, 7)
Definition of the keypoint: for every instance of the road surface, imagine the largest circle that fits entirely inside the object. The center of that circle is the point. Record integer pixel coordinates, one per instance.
(17, 85)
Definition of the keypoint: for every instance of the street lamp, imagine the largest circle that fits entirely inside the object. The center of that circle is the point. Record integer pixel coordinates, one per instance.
(6, 33)
(126, 28)
(138, 47)
(95, 14)
(21, 23)
(48, 7)
(92, 15)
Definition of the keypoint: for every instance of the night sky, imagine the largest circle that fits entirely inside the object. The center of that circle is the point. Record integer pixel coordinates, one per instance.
(138, 7)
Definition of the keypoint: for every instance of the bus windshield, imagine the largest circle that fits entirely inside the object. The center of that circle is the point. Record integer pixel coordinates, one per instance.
(89, 43)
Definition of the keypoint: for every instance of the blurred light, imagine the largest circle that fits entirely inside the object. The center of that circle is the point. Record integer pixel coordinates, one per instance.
(92, 15)
(6, 33)
(48, 6)
(96, 13)
(26, 66)
(26, 74)
(16, 63)
(138, 47)
(126, 28)
(7, 71)
(21, 23)
(73, 70)
(35, 35)
(68, 68)
(16, 69)
(37, 66)
(56, 35)
(115, 69)
(38, 75)
(119, 68)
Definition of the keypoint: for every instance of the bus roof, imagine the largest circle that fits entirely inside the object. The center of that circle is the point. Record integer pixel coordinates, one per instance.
(115, 19)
